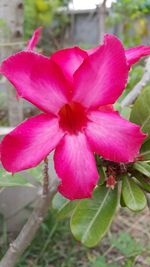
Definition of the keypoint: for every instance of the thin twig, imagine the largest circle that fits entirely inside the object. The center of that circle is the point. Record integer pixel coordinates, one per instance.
(45, 177)
(12, 44)
(32, 225)
(131, 97)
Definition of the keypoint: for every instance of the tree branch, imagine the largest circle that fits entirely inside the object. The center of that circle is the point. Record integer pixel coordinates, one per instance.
(131, 97)
(102, 18)
(30, 228)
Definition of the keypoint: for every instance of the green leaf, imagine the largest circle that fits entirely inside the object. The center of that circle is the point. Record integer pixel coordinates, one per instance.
(133, 196)
(143, 181)
(125, 112)
(62, 206)
(129, 262)
(141, 111)
(9, 180)
(102, 175)
(92, 217)
(122, 203)
(100, 169)
(142, 167)
(145, 150)
(101, 262)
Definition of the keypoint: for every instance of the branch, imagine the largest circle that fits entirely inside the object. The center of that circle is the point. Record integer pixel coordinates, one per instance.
(102, 17)
(14, 44)
(30, 228)
(131, 97)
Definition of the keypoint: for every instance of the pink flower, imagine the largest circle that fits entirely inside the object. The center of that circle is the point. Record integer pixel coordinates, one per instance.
(75, 89)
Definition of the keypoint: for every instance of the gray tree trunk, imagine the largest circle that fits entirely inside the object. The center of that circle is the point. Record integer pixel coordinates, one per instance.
(11, 33)
(102, 17)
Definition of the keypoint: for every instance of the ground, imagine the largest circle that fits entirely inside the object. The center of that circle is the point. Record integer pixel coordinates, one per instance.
(127, 244)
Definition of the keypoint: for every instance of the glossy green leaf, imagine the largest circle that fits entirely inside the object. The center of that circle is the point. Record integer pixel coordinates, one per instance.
(145, 150)
(63, 206)
(142, 167)
(141, 111)
(133, 196)
(92, 217)
(9, 180)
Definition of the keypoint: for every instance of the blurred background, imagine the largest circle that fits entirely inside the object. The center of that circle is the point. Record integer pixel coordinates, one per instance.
(67, 23)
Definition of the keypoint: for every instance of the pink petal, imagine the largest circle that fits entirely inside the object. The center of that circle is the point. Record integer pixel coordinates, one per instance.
(113, 137)
(37, 79)
(106, 108)
(75, 165)
(30, 142)
(102, 77)
(34, 39)
(69, 60)
(92, 50)
(134, 54)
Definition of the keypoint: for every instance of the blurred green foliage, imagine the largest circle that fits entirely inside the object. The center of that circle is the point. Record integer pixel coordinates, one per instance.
(132, 16)
(44, 13)
(40, 12)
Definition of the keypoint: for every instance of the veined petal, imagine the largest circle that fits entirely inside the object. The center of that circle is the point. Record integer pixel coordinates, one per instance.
(30, 142)
(69, 60)
(34, 39)
(134, 54)
(37, 79)
(75, 165)
(102, 77)
(113, 137)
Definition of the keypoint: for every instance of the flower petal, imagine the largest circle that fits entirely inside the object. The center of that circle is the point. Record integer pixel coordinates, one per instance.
(134, 54)
(113, 137)
(101, 78)
(30, 142)
(75, 165)
(34, 39)
(69, 60)
(37, 79)
(92, 50)
(106, 108)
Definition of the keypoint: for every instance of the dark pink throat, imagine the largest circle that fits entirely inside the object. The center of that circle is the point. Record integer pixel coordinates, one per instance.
(72, 117)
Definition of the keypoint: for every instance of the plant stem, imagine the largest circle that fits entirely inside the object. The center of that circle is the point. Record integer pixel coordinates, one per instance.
(32, 225)
(45, 177)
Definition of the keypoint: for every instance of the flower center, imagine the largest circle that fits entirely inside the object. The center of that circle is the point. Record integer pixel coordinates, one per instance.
(72, 117)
